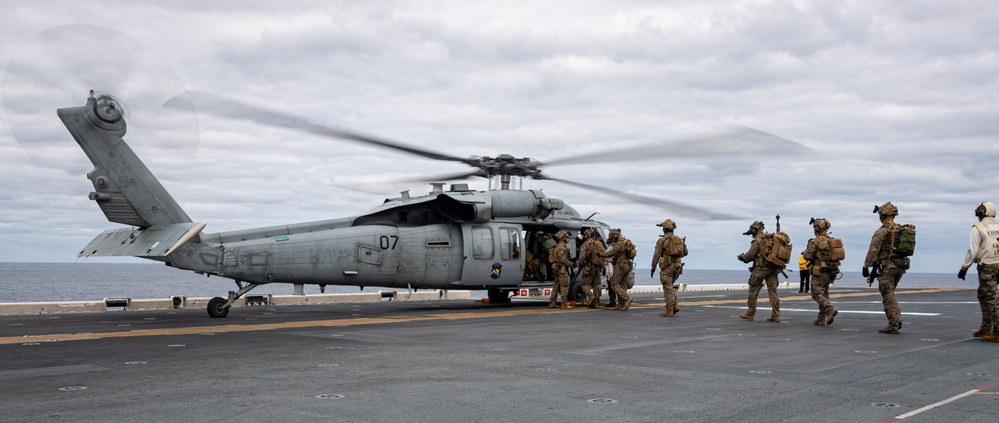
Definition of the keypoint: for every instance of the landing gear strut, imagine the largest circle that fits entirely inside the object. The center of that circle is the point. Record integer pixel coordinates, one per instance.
(219, 307)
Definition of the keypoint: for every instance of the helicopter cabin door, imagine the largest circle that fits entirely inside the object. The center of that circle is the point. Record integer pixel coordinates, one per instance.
(494, 254)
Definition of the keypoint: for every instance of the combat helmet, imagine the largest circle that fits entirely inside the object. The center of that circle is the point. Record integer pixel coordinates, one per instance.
(886, 209)
(985, 209)
(562, 236)
(615, 234)
(588, 233)
(820, 225)
(754, 228)
(667, 225)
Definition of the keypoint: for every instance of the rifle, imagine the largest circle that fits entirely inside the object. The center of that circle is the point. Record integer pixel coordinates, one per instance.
(778, 223)
(875, 272)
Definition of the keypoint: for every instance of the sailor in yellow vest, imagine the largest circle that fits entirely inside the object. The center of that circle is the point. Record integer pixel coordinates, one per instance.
(806, 275)
(984, 250)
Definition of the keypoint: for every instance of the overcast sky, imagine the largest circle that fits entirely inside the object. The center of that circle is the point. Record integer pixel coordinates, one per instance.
(898, 99)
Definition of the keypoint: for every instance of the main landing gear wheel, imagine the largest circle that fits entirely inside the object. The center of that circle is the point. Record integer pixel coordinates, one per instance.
(498, 296)
(217, 308)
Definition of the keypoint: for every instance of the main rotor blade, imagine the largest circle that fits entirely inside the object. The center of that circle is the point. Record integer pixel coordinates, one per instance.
(218, 106)
(693, 212)
(737, 141)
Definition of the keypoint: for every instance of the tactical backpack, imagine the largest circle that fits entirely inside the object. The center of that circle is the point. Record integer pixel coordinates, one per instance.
(776, 249)
(675, 247)
(830, 252)
(903, 240)
(630, 250)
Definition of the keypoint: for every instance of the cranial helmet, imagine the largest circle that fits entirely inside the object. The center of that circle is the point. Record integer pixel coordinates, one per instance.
(886, 209)
(820, 224)
(985, 209)
(755, 228)
(668, 225)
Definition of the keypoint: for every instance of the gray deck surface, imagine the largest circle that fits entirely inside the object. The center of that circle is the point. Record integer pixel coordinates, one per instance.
(463, 361)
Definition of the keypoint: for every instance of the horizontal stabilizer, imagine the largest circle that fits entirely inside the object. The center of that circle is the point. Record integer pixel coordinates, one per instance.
(154, 241)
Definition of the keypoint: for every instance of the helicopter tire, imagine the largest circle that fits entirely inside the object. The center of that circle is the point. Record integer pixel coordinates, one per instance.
(216, 309)
(498, 296)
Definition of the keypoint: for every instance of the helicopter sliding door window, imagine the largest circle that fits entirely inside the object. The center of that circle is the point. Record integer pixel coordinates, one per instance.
(510, 243)
(482, 242)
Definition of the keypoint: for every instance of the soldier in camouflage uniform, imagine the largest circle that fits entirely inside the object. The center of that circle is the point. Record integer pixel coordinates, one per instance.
(892, 268)
(670, 266)
(560, 267)
(823, 271)
(618, 253)
(762, 270)
(592, 266)
(984, 250)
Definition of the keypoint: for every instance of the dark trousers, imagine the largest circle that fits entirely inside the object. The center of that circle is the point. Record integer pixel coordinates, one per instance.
(806, 279)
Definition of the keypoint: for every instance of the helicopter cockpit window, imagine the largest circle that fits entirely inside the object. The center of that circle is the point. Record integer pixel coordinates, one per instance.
(482, 242)
(510, 243)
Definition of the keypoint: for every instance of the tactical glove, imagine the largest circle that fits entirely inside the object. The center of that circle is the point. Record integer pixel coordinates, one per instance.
(962, 273)
(865, 272)
(652, 273)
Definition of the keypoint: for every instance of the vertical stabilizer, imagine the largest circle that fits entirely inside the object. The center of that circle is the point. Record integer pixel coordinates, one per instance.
(125, 189)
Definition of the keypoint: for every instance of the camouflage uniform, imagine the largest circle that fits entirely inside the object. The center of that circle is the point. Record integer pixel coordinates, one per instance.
(622, 267)
(823, 275)
(761, 271)
(670, 267)
(984, 250)
(592, 266)
(560, 266)
(892, 268)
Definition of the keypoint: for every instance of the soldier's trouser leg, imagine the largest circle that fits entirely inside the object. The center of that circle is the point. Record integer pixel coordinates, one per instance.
(554, 297)
(591, 283)
(666, 277)
(619, 281)
(772, 293)
(820, 293)
(886, 285)
(755, 285)
(988, 298)
(562, 283)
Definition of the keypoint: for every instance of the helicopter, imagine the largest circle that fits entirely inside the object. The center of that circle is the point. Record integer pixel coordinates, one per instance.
(457, 238)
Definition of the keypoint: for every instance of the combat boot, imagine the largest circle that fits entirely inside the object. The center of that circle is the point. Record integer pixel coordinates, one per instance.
(774, 318)
(889, 329)
(821, 321)
(667, 313)
(746, 316)
(676, 309)
(990, 338)
(592, 303)
(982, 332)
(551, 304)
(627, 303)
(831, 315)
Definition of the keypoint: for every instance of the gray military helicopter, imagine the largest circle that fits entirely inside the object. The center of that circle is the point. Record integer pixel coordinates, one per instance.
(448, 239)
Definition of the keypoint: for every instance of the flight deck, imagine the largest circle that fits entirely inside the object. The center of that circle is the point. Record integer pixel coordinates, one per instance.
(465, 360)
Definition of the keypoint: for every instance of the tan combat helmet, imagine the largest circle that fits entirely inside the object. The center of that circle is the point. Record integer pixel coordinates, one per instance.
(754, 228)
(667, 225)
(886, 209)
(562, 236)
(820, 225)
(615, 234)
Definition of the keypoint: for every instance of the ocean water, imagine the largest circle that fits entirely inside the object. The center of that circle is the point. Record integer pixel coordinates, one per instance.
(33, 282)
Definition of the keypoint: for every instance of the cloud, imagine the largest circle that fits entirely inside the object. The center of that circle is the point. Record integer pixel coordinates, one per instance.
(895, 99)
